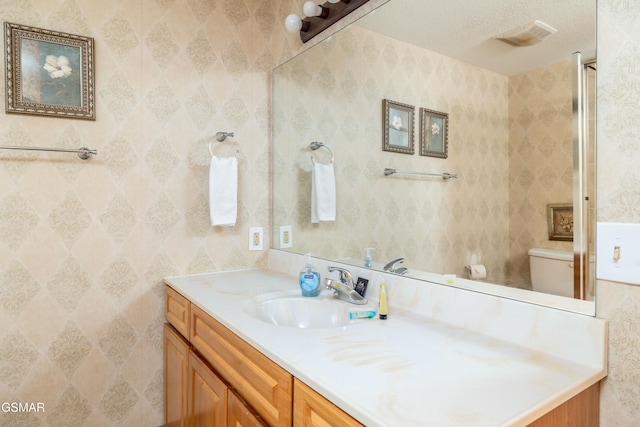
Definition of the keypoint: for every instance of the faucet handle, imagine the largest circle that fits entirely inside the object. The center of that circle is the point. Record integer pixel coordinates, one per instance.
(345, 275)
(390, 267)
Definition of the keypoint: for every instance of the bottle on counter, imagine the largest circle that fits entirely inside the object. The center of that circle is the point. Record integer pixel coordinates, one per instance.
(309, 279)
(367, 257)
(383, 310)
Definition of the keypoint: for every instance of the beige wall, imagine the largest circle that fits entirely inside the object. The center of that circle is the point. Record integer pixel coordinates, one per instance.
(618, 84)
(540, 161)
(85, 244)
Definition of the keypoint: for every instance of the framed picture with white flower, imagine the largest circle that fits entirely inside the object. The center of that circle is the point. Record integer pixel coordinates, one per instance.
(434, 133)
(48, 73)
(397, 127)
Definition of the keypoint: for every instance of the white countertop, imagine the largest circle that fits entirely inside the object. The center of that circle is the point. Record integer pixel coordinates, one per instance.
(408, 370)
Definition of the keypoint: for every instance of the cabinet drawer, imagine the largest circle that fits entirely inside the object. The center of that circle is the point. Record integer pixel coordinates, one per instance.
(311, 409)
(177, 310)
(263, 384)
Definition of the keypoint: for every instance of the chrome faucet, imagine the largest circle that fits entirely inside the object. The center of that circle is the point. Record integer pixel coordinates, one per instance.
(392, 266)
(344, 288)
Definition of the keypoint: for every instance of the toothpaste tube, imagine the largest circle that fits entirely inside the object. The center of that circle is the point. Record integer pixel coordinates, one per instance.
(362, 314)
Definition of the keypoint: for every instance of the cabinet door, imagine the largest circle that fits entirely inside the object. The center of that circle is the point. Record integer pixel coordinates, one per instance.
(207, 397)
(261, 382)
(311, 409)
(240, 415)
(176, 360)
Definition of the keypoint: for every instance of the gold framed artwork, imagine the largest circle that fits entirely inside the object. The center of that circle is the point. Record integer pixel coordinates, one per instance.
(560, 221)
(434, 133)
(48, 73)
(397, 125)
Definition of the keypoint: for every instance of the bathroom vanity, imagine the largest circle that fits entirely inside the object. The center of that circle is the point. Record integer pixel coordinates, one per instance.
(445, 356)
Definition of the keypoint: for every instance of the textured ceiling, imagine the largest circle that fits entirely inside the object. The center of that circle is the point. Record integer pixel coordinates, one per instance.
(464, 29)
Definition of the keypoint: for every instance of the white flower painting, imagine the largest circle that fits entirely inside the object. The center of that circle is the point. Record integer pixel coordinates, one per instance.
(57, 66)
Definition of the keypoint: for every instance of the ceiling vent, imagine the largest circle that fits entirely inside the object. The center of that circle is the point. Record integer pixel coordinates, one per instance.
(527, 35)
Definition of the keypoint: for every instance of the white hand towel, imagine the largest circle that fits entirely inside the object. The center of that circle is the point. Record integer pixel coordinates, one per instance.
(323, 193)
(223, 190)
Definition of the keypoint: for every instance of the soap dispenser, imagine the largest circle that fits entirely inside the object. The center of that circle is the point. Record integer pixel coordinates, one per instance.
(367, 257)
(309, 279)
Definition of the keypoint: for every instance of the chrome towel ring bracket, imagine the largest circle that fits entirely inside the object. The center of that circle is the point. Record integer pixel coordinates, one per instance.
(221, 137)
(315, 145)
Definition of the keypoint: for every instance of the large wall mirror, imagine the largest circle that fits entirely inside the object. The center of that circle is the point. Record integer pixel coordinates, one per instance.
(521, 129)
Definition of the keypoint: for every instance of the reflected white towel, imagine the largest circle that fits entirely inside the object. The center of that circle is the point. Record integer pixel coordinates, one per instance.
(223, 190)
(323, 193)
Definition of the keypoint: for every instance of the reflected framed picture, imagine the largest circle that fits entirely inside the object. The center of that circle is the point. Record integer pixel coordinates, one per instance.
(48, 73)
(560, 221)
(397, 125)
(434, 133)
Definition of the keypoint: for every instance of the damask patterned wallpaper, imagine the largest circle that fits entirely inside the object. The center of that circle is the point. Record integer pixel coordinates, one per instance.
(618, 187)
(85, 244)
(540, 161)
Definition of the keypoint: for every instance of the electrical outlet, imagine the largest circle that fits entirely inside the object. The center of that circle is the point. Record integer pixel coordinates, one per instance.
(286, 237)
(255, 238)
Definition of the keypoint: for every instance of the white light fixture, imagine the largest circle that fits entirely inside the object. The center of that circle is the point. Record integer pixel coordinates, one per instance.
(527, 35)
(319, 17)
(311, 9)
(293, 23)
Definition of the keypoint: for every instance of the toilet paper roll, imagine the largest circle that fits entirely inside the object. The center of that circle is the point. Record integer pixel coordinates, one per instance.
(477, 272)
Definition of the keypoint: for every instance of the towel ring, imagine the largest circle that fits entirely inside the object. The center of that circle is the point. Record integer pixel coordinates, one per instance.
(220, 137)
(315, 145)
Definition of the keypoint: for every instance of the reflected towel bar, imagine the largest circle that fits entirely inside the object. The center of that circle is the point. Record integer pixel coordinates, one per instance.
(83, 152)
(445, 175)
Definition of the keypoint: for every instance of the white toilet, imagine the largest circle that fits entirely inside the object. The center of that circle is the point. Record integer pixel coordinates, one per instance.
(551, 271)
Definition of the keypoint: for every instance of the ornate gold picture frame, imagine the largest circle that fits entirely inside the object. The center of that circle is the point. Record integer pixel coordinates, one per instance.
(560, 221)
(48, 73)
(434, 133)
(397, 125)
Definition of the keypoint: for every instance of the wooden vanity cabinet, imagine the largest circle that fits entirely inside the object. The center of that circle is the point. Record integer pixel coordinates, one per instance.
(176, 375)
(583, 410)
(206, 395)
(312, 409)
(239, 414)
(177, 311)
(261, 382)
(214, 378)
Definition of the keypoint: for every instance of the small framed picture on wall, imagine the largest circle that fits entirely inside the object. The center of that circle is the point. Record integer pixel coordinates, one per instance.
(397, 125)
(434, 133)
(48, 73)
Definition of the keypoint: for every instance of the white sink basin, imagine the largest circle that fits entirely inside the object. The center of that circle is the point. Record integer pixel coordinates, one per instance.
(292, 309)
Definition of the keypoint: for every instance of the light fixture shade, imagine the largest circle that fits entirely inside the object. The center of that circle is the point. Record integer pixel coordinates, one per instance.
(311, 9)
(293, 23)
(334, 1)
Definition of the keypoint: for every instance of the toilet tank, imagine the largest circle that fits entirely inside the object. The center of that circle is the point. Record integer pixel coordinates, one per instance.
(551, 271)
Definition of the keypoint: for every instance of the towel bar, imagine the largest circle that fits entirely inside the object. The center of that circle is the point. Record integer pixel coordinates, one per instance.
(83, 152)
(445, 175)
